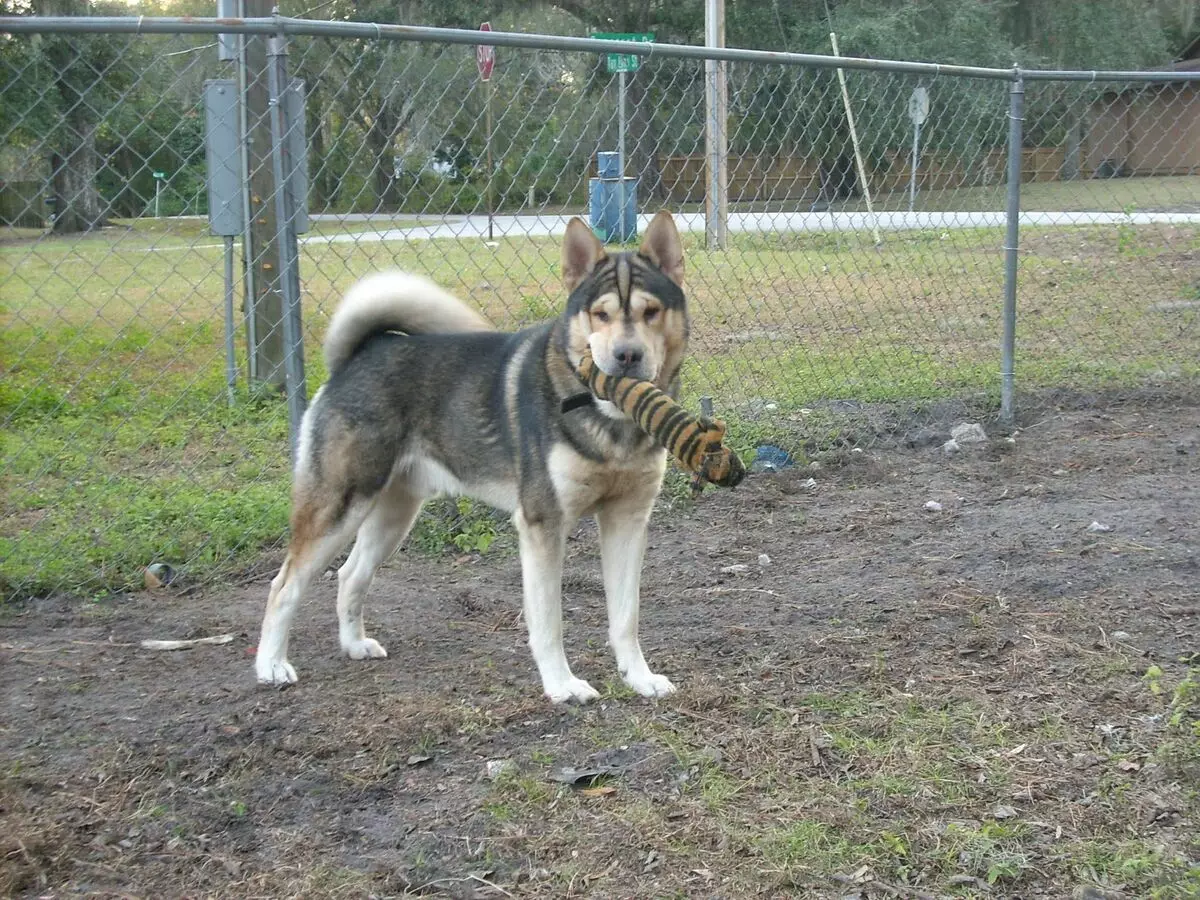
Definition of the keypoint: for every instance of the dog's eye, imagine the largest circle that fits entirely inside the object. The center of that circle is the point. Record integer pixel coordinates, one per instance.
(651, 314)
(600, 315)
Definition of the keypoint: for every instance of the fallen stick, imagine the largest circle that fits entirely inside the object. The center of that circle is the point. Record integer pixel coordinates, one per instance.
(188, 644)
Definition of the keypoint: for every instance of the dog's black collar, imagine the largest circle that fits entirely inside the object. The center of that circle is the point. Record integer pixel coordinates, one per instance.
(575, 401)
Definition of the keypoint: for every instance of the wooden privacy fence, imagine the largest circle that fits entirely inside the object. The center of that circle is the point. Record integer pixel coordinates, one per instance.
(755, 178)
(1140, 130)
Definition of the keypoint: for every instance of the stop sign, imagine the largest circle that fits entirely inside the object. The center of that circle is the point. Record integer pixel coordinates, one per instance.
(485, 56)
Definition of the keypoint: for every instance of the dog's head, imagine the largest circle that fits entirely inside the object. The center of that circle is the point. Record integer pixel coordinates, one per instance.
(628, 308)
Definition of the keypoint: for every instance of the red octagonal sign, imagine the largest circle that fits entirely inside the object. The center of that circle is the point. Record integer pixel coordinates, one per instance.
(485, 56)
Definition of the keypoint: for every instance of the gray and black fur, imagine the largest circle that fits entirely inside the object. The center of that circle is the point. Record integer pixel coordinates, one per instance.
(422, 400)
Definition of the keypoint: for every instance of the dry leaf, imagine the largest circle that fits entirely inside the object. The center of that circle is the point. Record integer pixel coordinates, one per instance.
(602, 791)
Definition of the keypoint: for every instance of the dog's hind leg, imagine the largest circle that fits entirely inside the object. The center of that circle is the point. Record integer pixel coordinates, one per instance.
(380, 533)
(318, 533)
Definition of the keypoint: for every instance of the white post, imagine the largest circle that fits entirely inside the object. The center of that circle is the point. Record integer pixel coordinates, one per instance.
(862, 172)
(621, 155)
(716, 206)
(912, 178)
(157, 193)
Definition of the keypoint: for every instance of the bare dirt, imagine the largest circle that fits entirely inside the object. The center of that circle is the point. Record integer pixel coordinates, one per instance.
(990, 699)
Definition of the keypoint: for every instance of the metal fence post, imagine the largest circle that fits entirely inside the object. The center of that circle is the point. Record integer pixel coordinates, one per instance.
(283, 168)
(1016, 112)
(716, 136)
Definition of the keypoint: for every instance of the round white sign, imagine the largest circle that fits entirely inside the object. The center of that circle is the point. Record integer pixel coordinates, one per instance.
(918, 106)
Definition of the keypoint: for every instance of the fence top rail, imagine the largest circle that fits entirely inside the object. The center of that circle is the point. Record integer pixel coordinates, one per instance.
(421, 33)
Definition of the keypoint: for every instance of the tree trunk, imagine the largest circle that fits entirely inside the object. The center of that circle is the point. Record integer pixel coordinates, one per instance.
(324, 185)
(73, 161)
(77, 203)
(643, 133)
(263, 252)
(379, 138)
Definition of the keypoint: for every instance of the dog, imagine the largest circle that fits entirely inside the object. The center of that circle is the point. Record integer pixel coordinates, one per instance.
(424, 398)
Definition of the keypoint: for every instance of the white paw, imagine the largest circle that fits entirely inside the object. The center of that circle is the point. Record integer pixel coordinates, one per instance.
(572, 689)
(367, 648)
(649, 684)
(275, 671)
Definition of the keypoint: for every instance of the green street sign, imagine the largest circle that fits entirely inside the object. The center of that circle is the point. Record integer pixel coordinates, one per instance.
(624, 62)
(159, 174)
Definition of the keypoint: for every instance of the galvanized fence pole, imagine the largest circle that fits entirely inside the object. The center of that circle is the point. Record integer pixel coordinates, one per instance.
(230, 347)
(283, 168)
(1016, 113)
(249, 292)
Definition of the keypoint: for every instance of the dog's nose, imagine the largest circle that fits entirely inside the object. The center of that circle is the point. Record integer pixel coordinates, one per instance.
(628, 355)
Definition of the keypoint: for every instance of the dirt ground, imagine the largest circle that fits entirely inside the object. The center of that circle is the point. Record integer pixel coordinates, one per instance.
(997, 698)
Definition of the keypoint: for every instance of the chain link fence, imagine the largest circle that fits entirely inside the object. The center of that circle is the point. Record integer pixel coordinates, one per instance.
(858, 300)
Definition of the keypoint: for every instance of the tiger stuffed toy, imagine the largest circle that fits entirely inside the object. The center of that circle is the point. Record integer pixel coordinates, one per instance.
(696, 441)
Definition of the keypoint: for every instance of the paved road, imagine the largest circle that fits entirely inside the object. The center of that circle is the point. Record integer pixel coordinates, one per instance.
(476, 226)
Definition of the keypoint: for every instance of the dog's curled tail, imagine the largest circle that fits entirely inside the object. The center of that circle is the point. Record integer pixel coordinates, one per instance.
(394, 301)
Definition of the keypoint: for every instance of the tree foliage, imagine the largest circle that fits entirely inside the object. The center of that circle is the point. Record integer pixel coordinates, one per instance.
(399, 125)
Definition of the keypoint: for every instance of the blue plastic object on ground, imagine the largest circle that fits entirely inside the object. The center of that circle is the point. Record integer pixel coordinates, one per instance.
(769, 458)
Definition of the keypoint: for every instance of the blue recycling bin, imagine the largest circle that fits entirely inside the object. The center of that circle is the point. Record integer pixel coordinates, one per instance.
(611, 222)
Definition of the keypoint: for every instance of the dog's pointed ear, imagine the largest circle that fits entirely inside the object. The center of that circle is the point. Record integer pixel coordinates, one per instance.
(663, 246)
(581, 251)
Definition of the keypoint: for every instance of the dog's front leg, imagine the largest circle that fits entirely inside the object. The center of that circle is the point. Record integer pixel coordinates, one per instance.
(543, 545)
(622, 549)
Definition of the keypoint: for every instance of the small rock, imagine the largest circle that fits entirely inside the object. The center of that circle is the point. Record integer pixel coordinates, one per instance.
(1122, 636)
(764, 560)
(1099, 526)
(735, 569)
(811, 484)
(857, 450)
(932, 506)
(924, 437)
(1092, 892)
(497, 767)
(968, 433)
(951, 446)
(417, 759)
(1004, 812)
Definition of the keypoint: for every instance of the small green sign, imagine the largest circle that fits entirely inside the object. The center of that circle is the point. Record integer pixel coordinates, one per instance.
(624, 62)
(159, 174)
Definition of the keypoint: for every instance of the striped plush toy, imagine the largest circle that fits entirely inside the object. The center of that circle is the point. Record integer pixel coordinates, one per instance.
(693, 440)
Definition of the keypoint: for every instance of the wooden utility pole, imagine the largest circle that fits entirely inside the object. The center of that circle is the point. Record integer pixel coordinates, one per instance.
(269, 350)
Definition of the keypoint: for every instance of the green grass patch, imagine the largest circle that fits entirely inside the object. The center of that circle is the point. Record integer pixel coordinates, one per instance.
(1086, 195)
(119, 447)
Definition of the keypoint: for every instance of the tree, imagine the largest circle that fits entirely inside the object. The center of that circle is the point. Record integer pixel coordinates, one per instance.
(71, 63)
(655, 90)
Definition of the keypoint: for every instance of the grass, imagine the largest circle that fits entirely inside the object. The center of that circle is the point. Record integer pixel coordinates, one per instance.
(856, 786)
(1172, 192)
(120, 448)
